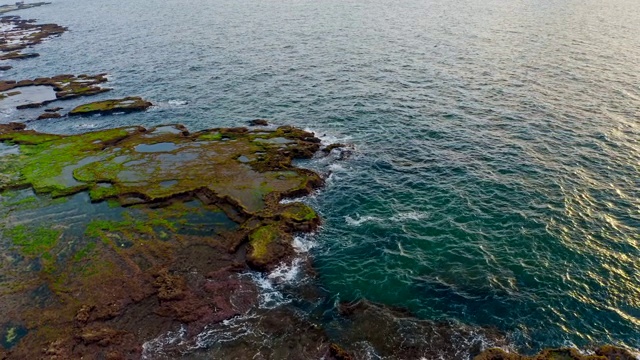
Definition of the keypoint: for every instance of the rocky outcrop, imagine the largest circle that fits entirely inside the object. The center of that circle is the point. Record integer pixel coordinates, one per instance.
(125, 105)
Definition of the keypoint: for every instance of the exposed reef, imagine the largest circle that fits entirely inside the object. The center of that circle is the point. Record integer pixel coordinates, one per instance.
(182, 216)
(128, 104)
(65, 87)
(20, 34)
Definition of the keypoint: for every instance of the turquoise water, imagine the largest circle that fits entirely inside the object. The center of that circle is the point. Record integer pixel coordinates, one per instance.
(495, 179)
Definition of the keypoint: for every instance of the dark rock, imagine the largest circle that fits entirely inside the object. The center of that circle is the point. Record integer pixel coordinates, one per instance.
(18, 56)
(258, 122)
(48, 115)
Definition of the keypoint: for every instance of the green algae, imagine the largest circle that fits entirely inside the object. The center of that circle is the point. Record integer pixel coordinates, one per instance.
(84, 252)
(129, 227)
(300, 212)
(260, 240)
(44, 158)
(33, 242)
(11, 334)
(211, 137)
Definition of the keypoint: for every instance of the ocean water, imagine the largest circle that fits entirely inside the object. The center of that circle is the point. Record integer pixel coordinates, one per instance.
(495, 174)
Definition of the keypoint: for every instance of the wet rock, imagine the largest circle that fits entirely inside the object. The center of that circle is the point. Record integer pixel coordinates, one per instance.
(12, 127)
(65, 86)
(55, 109)
(615, 353)
(18, 56)
(128, 104)
(338, 353)
(603, 353)
(20, 34)
(5, 67)
(48, 115)
(258, 122)
(329, 148)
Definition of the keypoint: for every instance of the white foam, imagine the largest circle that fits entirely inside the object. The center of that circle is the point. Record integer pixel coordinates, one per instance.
(86, 126)
(399, 217)
(286, 273)
(335, 167)
(328, 139)
(304, 243)
(226, 331)
(410, 215)
(152, 348)
(269, 297)
(177, 102)
(359, 220)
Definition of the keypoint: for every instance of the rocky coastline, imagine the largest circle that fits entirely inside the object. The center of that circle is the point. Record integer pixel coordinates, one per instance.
(113, 239)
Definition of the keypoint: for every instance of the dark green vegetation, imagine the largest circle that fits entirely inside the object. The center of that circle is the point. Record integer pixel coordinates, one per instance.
(128, 104)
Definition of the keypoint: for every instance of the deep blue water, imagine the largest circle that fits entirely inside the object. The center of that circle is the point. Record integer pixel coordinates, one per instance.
(496, 173)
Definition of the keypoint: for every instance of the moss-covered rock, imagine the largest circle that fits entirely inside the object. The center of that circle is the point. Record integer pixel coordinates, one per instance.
(128, 104)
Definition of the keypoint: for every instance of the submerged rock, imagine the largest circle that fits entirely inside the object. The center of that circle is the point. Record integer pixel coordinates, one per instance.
(128, 104)
(258, 122)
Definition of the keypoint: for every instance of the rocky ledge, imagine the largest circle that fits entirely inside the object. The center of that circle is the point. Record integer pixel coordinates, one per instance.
(65, 86)
(143, 229)
(128, 104)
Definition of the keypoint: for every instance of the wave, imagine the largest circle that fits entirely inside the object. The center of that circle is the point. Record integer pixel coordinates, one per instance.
(401, 217)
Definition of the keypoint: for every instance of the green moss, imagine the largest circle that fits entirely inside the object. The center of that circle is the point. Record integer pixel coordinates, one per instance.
(11, 335)
(23, 201)
(260, 240)
(28, 138)
(84, 252)
(43, 164)
(299, 212)
(33, 242)
(211, 136)
(129, 227)
(98, 193)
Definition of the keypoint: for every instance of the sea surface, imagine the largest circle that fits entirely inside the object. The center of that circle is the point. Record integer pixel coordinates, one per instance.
(494, 176)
